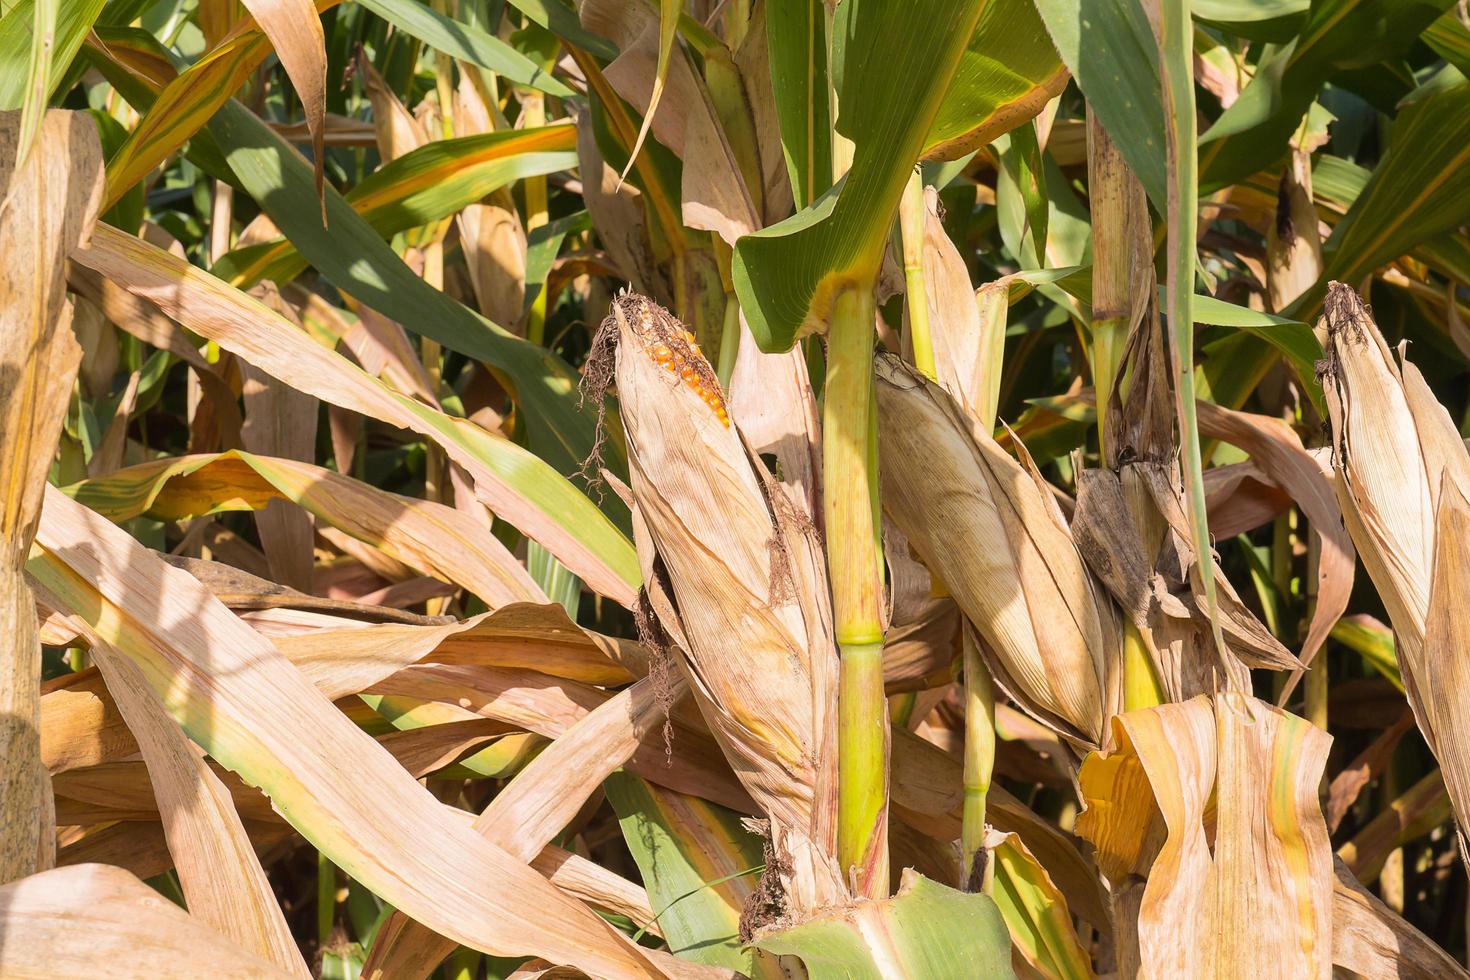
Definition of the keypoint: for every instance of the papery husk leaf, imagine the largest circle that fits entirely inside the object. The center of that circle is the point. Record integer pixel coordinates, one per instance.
(1052, 633)
(772, 403)
(47, 207)
(1269, 872)
(1402, 475)
(747, 590)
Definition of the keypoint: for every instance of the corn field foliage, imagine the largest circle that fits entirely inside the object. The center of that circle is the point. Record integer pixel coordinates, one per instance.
(760, 488)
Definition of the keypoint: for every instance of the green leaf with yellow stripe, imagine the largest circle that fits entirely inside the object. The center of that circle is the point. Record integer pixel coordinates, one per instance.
(432, 182)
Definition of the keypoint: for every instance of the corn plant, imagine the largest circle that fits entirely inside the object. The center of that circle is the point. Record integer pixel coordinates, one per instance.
(847, 489)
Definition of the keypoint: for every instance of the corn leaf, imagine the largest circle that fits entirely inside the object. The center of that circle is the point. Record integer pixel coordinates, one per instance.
(899, 61)
(1419, 189)
(908, 937)
(295, 31)
(517, 485)
(465, 42)
(63, 923)
(1036, 913)
(536, 806)
(1449, 37)
(668, 33)
(1259, 20)
(1177, 62)
(221, 877)
(1007, 74)
(370, 270)
(401, 845)
(1109, 48)
(1338, 35)
(68, 23)
(428, 536)
(798, 58)
(700, 866)
(559, 17)
(38, 75)
(431, 182)
(187, 102)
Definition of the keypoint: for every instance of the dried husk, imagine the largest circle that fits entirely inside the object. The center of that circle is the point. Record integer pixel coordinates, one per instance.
(989, 528)
(1212, 806)
(1133, 530)
(49, 199)
(1402, 476)
(738, 584)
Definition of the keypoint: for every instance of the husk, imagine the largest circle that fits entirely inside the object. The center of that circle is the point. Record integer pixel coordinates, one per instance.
(991, 531)
(1133, 530)
(1213, 803)
(740, 589)
(1402, 476)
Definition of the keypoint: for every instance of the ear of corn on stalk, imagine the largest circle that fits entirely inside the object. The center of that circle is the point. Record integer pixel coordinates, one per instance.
(1402, 475)
(745, 598)
(995, 536)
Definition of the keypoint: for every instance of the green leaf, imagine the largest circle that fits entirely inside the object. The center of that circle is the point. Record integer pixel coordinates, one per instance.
(1021, 180)
(38, 75)
(925, 932)
(698, 864)
(561, 19)
(70, 20)
(1449, 38)
(1339, 35)
(898, 62)
(359, 262)
(1109, 48)
(428, 183)
(543, 244)
(201, 150)
(1373, 641)
(668, 34)
(1035, 912)
(1008, 72)
(1258, 20)
(798, 55)
(1291, 337)
(1177, 46)
(1420, 189)
(465, 43)
(183, 106)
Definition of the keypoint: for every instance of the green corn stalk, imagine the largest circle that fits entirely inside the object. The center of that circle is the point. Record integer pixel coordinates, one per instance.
(854, 555)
